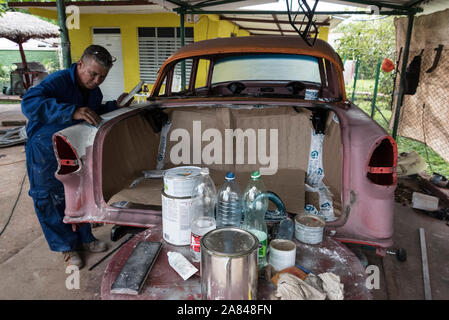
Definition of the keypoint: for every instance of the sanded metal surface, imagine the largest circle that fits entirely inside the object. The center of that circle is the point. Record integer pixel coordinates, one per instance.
(165, 284)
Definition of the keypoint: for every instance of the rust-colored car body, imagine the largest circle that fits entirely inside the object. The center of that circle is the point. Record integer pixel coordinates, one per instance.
(368, 177)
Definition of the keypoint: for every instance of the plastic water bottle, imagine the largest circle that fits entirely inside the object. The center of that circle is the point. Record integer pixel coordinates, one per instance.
(229, 203)
(254, 214)
(204, 198)
(286, 229)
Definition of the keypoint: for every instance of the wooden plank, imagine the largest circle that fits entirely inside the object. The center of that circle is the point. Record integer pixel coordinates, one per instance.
(425, 265)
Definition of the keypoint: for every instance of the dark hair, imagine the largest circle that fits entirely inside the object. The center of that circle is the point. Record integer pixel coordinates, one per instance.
(99, 54)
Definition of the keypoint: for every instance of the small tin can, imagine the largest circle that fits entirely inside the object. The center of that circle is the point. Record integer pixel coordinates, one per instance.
(282, 254)
(180, 181)
(309, 228)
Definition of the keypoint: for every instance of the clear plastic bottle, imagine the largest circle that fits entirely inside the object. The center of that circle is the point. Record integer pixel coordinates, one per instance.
(286, 229)
(229, 203)
(204, 198)
(254, 214)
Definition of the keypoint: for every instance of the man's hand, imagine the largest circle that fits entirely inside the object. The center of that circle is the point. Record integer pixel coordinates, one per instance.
(84, 113)
(120, 99)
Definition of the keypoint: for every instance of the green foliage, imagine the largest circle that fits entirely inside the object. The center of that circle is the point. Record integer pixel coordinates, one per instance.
(371, 41)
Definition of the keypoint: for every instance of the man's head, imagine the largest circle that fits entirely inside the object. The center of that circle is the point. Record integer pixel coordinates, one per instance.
(93, 67)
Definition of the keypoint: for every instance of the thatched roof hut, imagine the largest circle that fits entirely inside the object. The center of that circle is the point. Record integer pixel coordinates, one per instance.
(20, 27)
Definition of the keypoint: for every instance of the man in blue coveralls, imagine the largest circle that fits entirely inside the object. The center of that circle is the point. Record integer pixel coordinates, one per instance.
(62, 99)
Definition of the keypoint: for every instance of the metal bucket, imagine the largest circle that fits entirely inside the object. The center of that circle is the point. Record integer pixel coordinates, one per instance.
(180, 181)
(176, 214)
(309, 228)
(229, 264)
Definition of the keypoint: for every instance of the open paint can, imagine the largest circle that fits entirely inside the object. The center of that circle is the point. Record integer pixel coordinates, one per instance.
(229, 264)
(309, 228)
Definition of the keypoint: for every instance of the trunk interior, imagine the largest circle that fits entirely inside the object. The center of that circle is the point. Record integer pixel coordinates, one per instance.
(276, 137)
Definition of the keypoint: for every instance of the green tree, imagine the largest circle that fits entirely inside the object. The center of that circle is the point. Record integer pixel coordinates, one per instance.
(370, 40)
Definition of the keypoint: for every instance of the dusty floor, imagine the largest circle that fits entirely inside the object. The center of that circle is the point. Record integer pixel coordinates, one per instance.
(29, 270)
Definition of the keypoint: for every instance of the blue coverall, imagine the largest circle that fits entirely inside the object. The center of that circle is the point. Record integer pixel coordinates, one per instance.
(49, 107)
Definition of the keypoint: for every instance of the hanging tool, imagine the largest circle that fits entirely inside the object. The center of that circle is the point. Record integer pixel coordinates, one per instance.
(437, 58)
(111, 252)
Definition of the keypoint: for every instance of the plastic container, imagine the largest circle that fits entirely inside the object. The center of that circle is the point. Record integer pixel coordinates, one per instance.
(229, 203)
(286, 229)
(204, 197)
(424, 202)
(254, 209)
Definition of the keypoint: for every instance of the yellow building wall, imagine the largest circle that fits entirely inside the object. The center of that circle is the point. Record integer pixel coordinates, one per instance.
(323, 33)
(208, 27)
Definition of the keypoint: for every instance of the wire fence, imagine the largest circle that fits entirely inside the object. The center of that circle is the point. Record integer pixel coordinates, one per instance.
(424, 121)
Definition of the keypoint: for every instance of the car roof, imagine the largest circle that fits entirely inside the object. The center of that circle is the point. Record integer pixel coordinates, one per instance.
(258, 44)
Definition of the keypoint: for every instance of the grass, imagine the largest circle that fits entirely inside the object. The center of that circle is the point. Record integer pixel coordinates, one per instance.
(9, 102)
(434, 161)
(49, 58)
(8, 57)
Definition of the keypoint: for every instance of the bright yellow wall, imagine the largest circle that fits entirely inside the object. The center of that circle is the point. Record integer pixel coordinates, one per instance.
(323, 33)
(208, 27)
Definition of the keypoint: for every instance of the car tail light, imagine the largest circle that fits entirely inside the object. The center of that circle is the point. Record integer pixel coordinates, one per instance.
(383, 161)
(66, 155)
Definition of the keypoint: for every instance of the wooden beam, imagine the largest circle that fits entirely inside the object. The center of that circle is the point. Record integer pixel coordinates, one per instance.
(238, 25)
(324, 23)
(277, 23)
(270, 30)
(81, 3)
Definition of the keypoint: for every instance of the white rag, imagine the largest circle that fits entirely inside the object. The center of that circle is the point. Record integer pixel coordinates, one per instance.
(291, 287)
(325, 285)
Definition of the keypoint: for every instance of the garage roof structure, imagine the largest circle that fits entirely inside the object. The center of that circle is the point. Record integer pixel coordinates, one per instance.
(384, 7)
(275, 22)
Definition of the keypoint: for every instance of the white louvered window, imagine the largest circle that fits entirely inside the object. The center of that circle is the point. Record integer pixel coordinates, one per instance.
(155, 46)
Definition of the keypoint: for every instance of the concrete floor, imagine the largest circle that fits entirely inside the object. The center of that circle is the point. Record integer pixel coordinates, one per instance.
(29, 270)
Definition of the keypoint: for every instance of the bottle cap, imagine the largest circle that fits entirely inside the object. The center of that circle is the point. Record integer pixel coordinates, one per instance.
(230, 176)
(204, 171)
(255, 175)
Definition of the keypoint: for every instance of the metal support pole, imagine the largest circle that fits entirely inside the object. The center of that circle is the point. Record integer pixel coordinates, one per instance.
(183, 64)
(402, 75)
(356, 73)
(373, 102)
(65, 42)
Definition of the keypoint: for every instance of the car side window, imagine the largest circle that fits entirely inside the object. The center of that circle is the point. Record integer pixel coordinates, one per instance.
(181, 67)
(202, 73)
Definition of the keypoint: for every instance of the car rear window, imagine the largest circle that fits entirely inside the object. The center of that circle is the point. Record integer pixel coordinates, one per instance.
(267, 67)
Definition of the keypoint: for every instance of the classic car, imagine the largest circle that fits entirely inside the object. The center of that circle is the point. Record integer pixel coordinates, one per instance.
(272, 103)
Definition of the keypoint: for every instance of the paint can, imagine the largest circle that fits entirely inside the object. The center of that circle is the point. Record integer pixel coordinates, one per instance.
(180, 181)
(228, 264)
(176, 214)
(309, 228)
(282, 254)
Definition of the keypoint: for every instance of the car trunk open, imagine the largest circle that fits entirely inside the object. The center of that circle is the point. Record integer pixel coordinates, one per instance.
(131, 147)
